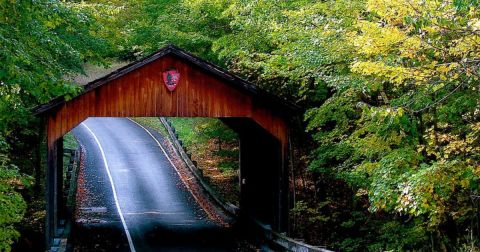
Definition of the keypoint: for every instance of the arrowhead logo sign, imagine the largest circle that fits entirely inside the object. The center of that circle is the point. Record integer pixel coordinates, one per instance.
(171, 78)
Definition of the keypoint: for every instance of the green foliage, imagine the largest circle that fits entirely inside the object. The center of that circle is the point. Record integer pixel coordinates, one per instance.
(69, 141)
(384, 235)
(43, 43)
(228, 165)
(12, 205)
(186, 130)
(285, 46)
(152, 122)
(390, 90)
(404, 134)
(309, 219)
(192, 25)
(197, 133)
(216, 129)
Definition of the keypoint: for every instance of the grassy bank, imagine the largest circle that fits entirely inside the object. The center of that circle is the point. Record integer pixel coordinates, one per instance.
(69, 141)
(215, 147)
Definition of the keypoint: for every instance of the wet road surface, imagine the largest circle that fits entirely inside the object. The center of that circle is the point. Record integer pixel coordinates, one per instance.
(135, 200)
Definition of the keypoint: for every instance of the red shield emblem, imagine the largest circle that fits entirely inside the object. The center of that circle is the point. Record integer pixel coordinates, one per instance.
(171, 78)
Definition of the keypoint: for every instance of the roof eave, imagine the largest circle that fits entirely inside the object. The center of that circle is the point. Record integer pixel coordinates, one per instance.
(171, 49)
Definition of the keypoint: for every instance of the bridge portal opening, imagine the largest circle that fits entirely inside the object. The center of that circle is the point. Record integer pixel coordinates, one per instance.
(137, 157)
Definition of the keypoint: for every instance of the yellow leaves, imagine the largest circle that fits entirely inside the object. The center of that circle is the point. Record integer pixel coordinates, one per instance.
(467, 46)
(442, 138)
(393, 11)
(368, 167)
(425, 205)
(410, 47)
(465, 183)
(445, 68)
(376, 40)
(395, 74)
(420, 148)
(448, 146)
(398, 74)
(472, 138)
(475, 127)
(447, 72)
(422, 42)
(361, 192)
(51, 24)
(474, 24)
(431, 29)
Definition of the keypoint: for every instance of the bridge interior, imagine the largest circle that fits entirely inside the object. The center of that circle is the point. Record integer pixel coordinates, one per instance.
(128, 182)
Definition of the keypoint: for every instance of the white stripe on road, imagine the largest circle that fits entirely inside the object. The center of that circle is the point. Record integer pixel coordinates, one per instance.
(129, 238)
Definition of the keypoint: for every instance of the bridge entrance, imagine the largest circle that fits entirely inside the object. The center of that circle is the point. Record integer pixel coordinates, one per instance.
(174, 83)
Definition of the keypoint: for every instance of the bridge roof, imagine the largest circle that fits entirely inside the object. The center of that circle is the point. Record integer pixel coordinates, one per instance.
(228, 77)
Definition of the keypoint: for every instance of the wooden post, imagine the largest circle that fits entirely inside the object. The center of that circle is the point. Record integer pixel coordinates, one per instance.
(59, 180)
(244, 178)
(283, 189)
(53, 186)
(50, 194)
(262, 174)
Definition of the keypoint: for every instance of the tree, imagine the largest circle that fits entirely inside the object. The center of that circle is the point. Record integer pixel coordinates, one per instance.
(391, 91)
(406, 135)
(12, 207)
(42, 43)
(215, 129)
(192, 25)
(423, 58)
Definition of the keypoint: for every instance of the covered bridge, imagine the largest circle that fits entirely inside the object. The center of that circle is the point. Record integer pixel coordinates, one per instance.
(174, 83)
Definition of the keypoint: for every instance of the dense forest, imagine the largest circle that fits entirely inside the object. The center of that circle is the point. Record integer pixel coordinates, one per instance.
(386, 152)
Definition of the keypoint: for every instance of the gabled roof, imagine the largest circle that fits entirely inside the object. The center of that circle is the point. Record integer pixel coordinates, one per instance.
(218, 72)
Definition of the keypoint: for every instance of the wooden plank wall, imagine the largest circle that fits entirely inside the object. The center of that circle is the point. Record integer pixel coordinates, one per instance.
(141, 93)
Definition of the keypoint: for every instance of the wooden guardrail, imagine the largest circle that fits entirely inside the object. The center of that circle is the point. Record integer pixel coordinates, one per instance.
(60, 242)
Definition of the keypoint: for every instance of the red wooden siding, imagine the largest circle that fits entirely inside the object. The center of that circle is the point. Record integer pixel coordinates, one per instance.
(141, 93)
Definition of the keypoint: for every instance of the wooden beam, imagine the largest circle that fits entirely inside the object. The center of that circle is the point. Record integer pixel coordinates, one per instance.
(263, 174)
(50, 195)
(59, 180)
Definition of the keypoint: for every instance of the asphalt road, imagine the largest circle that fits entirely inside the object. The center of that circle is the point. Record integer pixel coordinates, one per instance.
(138, 194)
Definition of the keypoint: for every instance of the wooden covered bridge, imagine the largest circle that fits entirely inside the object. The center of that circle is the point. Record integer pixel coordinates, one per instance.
(174, 83)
